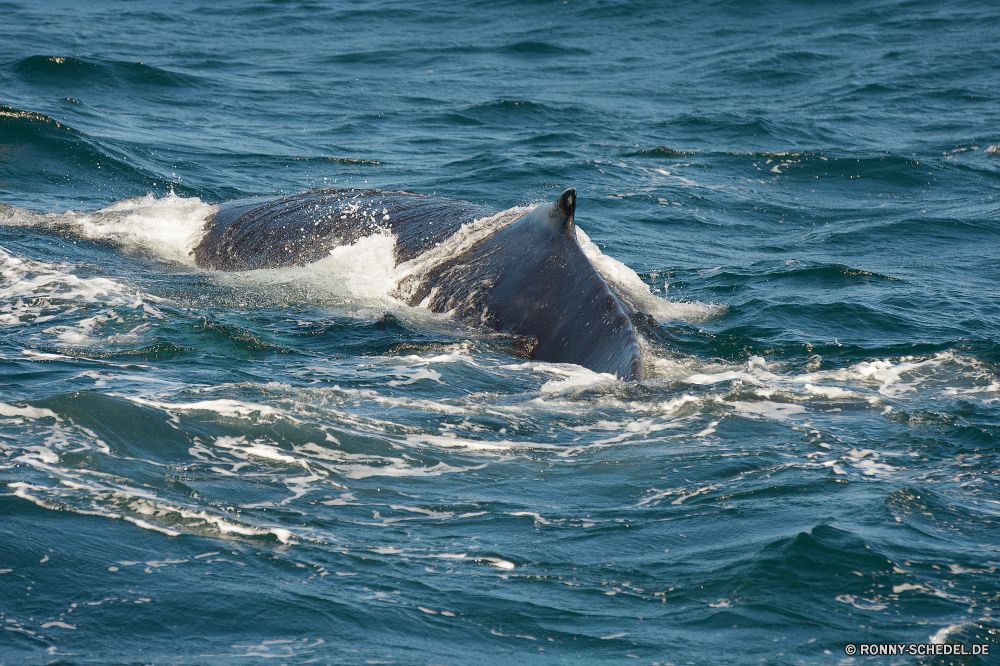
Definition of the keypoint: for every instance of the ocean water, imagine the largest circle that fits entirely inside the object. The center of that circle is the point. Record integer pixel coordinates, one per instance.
(292, 466)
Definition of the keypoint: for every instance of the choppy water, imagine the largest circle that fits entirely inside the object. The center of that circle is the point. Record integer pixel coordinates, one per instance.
(293, 467)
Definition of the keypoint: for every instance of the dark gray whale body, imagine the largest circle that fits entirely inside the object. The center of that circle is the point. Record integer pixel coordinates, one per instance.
(529, 278)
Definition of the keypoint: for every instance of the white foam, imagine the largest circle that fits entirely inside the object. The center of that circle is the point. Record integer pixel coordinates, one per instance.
(719, 377)
(57, 623)
(479, 445)
(572, 378)
(829, 391)
(255, 448)
(674, 404)
(27, 412)
(894, 378)
(492, 561)
(772, 411)
(82, 333)
(360, 274)
(628, 284)
(221, 524)
(538, 519)
(21, 489)
(400, 468)
(496, 562)
(131, 501)
(414, 375)
(35, 292)
(403, 401)
(905, 587)
(866, 460)
(869, 604)
(149, 526)
(222, 407)
(868, 382)
(883, 371)
(169, 227)
(942, 634)
(42, 356)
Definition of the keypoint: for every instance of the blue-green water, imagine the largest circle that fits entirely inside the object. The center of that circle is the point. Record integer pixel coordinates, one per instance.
(294, 467)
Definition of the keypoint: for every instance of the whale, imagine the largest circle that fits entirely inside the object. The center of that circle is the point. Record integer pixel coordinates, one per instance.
(529, 278)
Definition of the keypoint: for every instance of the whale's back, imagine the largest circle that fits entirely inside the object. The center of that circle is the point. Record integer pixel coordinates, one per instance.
(529, 278)
(297, 230)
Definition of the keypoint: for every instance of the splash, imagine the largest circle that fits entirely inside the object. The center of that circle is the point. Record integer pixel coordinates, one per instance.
(637, 293)
(360, 275)
(168, 228)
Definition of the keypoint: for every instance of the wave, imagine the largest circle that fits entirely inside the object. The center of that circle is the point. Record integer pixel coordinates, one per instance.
(69, 73)
(502, 112)
(304, 437)
(885, 170)
(39, 147)
(755, 128)
(660, 152)
(534, 48)
(378, 57)
(831, 275)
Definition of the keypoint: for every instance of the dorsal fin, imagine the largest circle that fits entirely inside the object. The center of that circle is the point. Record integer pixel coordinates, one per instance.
(567, 202)
(566, 207)
(557, 216)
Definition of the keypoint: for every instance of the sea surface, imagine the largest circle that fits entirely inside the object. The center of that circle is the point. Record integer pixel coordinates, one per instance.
(293, 466)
